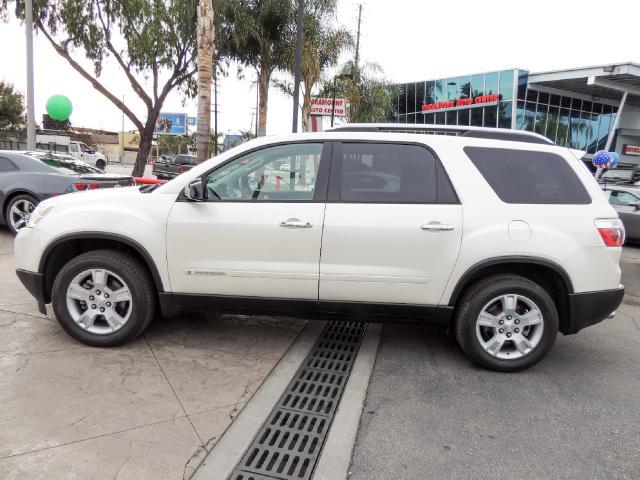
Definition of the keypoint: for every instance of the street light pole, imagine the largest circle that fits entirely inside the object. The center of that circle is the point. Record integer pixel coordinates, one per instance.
(333, 103)
(296, 87)
(31, 119)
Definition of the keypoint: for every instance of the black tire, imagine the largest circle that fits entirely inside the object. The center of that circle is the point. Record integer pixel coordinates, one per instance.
(134, 275)
(18, 198)
(101, 164)
(484, 291)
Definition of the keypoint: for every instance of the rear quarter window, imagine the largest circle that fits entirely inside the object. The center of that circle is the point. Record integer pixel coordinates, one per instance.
(530, 177)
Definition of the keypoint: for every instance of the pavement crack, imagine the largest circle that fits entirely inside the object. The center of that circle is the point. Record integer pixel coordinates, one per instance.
(197, 458)
(173, 390)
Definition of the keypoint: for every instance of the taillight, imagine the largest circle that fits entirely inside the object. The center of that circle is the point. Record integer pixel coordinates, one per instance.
(86, 186)
(182, 169)
(611, 230)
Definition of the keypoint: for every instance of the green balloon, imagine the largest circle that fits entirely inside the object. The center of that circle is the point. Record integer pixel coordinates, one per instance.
(59, 107)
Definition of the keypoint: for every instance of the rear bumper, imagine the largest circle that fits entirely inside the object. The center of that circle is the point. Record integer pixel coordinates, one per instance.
(589, 308)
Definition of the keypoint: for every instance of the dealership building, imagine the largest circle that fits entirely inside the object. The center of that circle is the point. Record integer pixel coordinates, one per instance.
(590, 109)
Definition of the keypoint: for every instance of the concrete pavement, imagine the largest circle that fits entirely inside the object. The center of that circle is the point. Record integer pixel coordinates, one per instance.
(147, 410)
(431, 414)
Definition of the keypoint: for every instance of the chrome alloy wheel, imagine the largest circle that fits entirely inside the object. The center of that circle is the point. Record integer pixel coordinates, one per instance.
(99, 301)
(509, 326)
(19, 213)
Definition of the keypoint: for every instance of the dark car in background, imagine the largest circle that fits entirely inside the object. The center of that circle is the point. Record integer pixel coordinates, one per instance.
(27, 178)
(625, 199)
(167, 168)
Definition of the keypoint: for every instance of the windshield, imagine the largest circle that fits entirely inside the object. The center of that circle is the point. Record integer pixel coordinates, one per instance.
(67, 165)
(617, 175)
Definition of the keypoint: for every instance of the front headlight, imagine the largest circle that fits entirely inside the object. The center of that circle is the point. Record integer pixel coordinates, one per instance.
(40, 212)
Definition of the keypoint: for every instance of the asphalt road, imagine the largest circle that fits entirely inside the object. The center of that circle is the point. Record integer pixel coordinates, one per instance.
(431, 414)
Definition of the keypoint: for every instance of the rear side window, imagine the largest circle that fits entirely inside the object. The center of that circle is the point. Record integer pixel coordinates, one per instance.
(387, 173)
(524, 176)
(7, 165)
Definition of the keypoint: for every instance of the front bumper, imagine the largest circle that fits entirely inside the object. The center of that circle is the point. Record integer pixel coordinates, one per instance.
(589, 308)
(35, 285)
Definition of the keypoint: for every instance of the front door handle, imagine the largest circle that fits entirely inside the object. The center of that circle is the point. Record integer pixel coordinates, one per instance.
(436, 227)
(295, 223)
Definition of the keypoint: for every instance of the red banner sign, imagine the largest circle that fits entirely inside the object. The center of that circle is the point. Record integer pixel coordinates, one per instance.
(631, 149)
(461, 102)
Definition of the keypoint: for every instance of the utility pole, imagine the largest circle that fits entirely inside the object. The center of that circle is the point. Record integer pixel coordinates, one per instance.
(257, 104)
(122, 137)
(31, 118)
(215, 112)
(296, 88)
(357, 60)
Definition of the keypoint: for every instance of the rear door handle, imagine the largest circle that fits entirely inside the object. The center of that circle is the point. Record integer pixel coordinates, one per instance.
(295, 223)
(436, 227)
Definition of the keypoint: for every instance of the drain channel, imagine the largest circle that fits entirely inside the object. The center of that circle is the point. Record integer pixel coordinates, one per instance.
(289, 443)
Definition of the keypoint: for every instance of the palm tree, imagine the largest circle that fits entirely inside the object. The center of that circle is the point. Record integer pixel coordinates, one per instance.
(206, 35)
(259, 40)
(323, 43)
(368, 94)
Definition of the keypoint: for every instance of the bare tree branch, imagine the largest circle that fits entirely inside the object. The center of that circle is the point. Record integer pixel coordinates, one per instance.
(132, 79)
(63, 52)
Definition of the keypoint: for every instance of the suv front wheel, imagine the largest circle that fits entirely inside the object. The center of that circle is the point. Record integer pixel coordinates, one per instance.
(506, 323)
(103, 298)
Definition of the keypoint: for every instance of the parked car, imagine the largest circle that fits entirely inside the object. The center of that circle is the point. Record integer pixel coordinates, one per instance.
(168, 168)
(81, 151)
(626, 201)
(501, 236)
(27, 178)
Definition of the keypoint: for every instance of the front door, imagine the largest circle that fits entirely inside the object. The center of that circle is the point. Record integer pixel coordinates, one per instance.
(258, 232)
(392, 228)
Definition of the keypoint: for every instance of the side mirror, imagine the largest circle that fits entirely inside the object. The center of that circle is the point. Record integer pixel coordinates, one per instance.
(636, 206)
(194, 191)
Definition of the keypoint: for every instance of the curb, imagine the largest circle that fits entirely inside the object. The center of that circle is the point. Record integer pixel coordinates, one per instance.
(335, 458)
(221, 461)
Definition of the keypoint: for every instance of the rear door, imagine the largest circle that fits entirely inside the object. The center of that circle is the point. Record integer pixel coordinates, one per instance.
(392, 228)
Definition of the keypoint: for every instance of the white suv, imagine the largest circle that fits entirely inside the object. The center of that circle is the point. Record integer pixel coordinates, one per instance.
(499, 235)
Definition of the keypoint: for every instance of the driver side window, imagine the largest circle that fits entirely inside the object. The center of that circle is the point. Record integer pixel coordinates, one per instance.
(280, 173)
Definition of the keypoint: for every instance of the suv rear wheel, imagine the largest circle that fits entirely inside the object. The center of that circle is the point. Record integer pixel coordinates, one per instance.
(103, 298)
(506, 323)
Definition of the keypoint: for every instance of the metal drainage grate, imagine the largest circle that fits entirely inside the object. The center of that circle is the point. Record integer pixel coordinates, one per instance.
(289, 443)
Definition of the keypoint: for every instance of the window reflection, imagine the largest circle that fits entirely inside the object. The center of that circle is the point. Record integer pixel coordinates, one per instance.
(491, 83)
(506, 85)
(504, 115)
(453, 90)
(411, 98)
(477, 85)
(463, 117)
(490, 116)
(465, 87)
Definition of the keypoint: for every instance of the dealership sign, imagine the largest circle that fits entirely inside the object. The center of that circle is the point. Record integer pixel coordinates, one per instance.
(462, 102)
(631, 149)
(323, 106)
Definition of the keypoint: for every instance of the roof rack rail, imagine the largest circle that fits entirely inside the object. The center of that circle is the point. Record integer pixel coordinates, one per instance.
(474, 132)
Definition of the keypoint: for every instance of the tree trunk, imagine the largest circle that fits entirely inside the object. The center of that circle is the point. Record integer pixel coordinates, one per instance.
(306, 108)
(146, 137)
(264, 76)
(206, 34)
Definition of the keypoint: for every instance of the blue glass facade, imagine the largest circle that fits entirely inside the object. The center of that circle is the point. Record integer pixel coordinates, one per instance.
(512, 103)
(568, 121)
